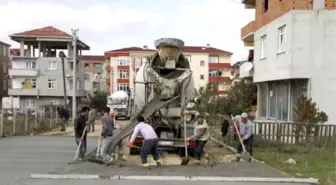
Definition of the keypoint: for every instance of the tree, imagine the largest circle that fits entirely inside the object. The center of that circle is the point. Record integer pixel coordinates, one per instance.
(98, 100)
(306, 111)
(206, 100)
(240, 98)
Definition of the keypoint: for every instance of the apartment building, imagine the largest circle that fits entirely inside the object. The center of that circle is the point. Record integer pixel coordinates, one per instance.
(294, 55)
(208, 64)
(94, 79)
(36, 74)
(4, 64)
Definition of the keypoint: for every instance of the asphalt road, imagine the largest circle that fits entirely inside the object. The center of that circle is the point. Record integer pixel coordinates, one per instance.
(105, 182)
(22, 156)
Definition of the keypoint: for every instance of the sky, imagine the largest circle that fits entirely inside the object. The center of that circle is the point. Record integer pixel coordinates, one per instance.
(112, 24)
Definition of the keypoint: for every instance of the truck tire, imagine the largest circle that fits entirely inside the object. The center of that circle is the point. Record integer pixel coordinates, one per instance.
(134, 151)
(190, 152)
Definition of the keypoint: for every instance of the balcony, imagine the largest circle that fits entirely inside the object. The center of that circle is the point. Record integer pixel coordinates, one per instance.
(80, 92)
(219, 65)
(23, 72)
(219, 79)
(249, 4)
(23, 92)
(247, 33)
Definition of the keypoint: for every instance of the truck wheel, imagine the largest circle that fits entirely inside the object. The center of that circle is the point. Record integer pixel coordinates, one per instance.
(190, 152)
(134, 151)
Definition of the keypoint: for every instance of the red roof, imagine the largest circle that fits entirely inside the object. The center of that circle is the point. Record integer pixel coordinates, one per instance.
(129, 49)
(189, 49)
(48, 31)
(204, 49)
(93, 57)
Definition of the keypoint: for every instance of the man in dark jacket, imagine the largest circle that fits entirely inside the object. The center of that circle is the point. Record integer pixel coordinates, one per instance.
(64, 116)
(80, 129)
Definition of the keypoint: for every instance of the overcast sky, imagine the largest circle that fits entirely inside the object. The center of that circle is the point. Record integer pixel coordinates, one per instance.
(111, 24)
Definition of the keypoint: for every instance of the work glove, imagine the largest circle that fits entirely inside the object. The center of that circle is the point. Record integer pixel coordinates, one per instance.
(186, 139)
(242, 140)
(100, 138)
(130, 145)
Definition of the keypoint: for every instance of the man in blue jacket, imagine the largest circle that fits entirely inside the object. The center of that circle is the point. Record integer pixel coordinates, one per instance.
(246, 133)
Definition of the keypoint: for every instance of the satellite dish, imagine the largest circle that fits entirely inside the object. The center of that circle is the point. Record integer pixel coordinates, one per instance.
(247, 66)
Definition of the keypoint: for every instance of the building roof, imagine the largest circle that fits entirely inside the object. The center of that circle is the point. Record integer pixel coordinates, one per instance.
(46, 33)
(4, 43)
(204, 49)
(93, 57)
(129, 49)
(188, 49)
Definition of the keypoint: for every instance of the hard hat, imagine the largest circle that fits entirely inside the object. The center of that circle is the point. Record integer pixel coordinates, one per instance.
(244, 116)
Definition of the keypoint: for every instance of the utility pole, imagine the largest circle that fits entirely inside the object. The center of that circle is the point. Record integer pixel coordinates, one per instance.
(62, 55)
(74, 81)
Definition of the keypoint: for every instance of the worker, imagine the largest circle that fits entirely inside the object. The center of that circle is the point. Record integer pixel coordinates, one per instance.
(116, 129)
(91, 119)
(201, 136)
(106, 135)
(149, 144)
(64, 116)
(80, 126)
(246, 133)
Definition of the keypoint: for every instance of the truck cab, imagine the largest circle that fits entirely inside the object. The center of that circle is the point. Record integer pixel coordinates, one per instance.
(120, 103)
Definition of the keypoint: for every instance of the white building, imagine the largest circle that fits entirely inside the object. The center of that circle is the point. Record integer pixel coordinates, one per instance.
(294, 55)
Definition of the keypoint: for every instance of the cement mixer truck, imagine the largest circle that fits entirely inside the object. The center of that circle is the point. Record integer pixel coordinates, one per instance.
(121, 103)
(163, 87)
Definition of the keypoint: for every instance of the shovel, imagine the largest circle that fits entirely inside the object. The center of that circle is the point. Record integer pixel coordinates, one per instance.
(98, 159)
(245, 155)
(186, 159)
(78, 148)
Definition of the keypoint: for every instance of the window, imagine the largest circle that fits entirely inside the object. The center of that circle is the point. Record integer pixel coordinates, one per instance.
(30, 104)
(188, 57)
(282, 100)
(202, 77)
(31, 82)
(214, 73)
(265, 5)
(272, 96)
(202, 63)
(137, 62)
(54, 102)
(52, 65)
(263, 99)
(263, 47)
(123, 61)
(4, 50)
(4, 85)
(282, 39)
(52, 84)
(123, 74)
(213, 59)
(298, 89)
(123, 87)
(30, 65)
(98, 65)
(4, 67)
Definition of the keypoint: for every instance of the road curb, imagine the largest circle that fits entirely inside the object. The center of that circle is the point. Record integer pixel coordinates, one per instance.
(176, 178)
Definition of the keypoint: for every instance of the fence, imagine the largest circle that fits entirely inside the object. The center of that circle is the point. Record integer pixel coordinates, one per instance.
(18, 122)
(283, 133)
